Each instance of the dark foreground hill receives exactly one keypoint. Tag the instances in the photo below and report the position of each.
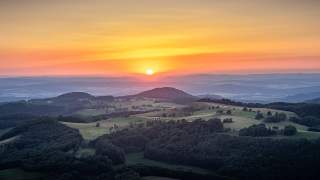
(207, 144)
(53, 150)
(37, 143)
(50, 148)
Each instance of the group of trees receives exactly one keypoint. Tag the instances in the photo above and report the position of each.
(241, 157)
(276, 117)
(227, 120)
(205, 144)
(310, 121)
(261, 130)
(8, 121)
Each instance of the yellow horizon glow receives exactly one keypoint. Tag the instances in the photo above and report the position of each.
(149, 72)
(176, 37)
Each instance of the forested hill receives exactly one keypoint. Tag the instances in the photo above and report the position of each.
(167, 94)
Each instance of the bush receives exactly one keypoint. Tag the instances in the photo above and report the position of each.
(259, 116)
(227, 120)
(290, 130)
(220, 112)
(269, 113)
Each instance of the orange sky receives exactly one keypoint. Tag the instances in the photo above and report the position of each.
(123, 37)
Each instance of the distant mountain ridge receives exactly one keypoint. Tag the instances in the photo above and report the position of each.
(210, 96)
(302, 97)
(75, 95)
(315, 101)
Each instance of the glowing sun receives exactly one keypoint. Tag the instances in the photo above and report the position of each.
(149, 72)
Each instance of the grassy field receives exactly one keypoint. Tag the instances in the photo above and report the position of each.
(137, 158)
(89, 131)
(19, 174)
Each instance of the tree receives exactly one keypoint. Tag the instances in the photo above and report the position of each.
(229, 112)
(277, 117)
(259, 116)
(220, 112)
(227, 120)
(289, 130)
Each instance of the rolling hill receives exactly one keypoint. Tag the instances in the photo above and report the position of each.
(168, 94)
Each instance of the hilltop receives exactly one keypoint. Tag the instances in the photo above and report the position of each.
(168, 94)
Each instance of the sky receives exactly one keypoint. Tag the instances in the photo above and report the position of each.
(130, 37)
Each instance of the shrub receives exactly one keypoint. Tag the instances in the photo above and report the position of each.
(227, 120)
(269, 113)
(290, 130)
(259, 116)
(220, 112)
